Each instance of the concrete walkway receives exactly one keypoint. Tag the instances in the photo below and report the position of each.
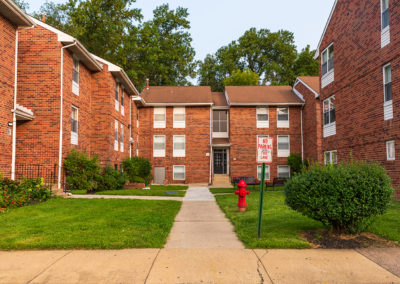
(193, 266)
(93, 196)
(201, 224)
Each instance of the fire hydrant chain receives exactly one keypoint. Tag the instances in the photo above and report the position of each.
(242, 192)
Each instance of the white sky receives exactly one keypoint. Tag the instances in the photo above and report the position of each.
(217, 22)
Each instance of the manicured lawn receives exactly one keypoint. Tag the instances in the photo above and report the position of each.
(169, 187)
(88, 224)
(282, 227)
(251, 188)
(222, 190)
(143, 192)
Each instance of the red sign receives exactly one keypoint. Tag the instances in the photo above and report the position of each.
(264, 149)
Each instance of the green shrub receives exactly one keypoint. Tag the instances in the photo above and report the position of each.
(295, 162)
(137, 169)
(111, 179)
(82, 171)
(346, 196)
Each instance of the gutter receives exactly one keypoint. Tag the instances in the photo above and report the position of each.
(14, 134)
(61, 112)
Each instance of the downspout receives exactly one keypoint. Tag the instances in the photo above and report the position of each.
(61, 113)
(301, 122)
(14, 123)
(130, 128)
(211, 150)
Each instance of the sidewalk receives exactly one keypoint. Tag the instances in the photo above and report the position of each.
(201, 224)
(192, 266)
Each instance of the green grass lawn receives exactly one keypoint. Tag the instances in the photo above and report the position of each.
(88, 224)
(251, 188)
(155, 190)
(282, 227)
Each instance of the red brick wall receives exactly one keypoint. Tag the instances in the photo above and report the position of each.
(7, 50)
(355, 29)
(243, 138)
(197, 134)
(312, 131)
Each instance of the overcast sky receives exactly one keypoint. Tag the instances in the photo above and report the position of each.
(217, 22)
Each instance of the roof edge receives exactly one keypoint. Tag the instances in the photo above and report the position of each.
(298, 80)
(267, 104)
(18, 13)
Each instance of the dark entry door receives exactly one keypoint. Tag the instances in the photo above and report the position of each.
(220, 161)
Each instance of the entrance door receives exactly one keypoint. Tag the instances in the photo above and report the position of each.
(220, 161)
(159, 175)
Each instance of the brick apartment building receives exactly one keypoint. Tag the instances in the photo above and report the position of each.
(360, 83)
(12, 20)
(192, 135)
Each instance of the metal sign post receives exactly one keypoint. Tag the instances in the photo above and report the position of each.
(264, 155)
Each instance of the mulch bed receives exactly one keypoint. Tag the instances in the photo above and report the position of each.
(329, 240)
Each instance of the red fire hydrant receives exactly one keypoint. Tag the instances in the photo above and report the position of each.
(242, 192)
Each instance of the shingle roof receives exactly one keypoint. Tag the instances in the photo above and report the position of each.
(262, 95)
(219, 99)
(174, 95)
(312, 82)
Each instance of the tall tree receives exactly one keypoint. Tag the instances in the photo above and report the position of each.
(24, 6)
(305, 64)
(242, 78)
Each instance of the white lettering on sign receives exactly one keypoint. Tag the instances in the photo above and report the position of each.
(264, 149)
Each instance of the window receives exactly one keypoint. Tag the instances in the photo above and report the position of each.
(327, 60)
(220, 123)
(283, 145)
(137, 118)
(116, 96)
(122, 138)
(329, 111)
(179, 172)
(259, 168)
(116, 136)
(137, 145)
(159, 117)
(122, 102)
(283, 117)
(283, 172)
(385, 14)
(179, 146)
(390, 151)
(262, 117)
(179, 117)
(159, 146)
(330, 157)
(75, 76)
(387, 77)
(74, 126)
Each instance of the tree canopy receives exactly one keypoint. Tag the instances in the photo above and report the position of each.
(242, 78)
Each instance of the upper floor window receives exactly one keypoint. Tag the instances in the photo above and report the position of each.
(283, 117)
(116, 136)
(117, 96)
(262, 117)
(387, 78)
(75, 76)
(329, 111)
(159, 117)
(179, 146)
(179, 117)
(74, 126)
(122, 102)
(220, 123)
(330, 157)
(122, 138)
(385, 14)
(327, 60)
(390, 151)
(159, 146)
(283, 145)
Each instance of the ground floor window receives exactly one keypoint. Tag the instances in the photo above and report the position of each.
(259, 168)
(179, 173)
(390, 151)
(330, 157)
(283, 171)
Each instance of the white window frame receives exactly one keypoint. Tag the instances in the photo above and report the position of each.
(221, 134)
(330, 160)
(386, 81)
(122, 138)
(116, 98)
(267, 172)
(282, 123)
(160, 111)
(382, 11)
(75, 135)
(262, 111)
(179, 123)
(174, 171)
(283, 166)
(329, 70)
(329, 100)
(116, 135)
(388, 157)
(122, 101)
(179, 152)
(75, 85)
(283, 153)
(159, 153)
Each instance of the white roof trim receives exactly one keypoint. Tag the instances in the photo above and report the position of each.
(178, 104)
(62, 37)
(267, 104)
(298, 80)
(326, 27)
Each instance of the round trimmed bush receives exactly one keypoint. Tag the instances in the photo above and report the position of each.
(346, 196)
